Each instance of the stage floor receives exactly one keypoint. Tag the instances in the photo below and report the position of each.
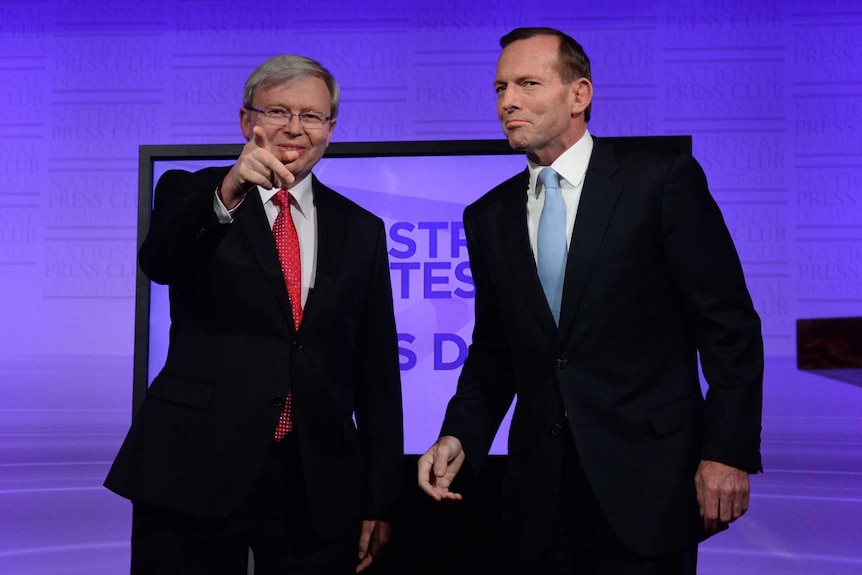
(805, 515)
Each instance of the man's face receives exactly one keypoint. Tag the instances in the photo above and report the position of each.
(307, 94)
(539, 114)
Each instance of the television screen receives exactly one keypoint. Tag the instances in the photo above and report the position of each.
(420, 190)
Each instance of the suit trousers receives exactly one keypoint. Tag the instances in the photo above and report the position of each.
(274, 522)
(582, 541)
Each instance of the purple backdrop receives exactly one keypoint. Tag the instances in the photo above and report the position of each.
(770, 92)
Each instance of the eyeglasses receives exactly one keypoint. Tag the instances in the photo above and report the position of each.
(282, 117)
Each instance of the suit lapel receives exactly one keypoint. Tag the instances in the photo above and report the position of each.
(332, 227)
(512, 228)
(251, 218)
(598, 200)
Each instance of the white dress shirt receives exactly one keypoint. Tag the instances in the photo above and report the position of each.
(572, 168)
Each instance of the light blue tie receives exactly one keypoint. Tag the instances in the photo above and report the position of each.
(551, 248)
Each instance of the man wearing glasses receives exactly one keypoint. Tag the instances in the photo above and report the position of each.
(276, 421)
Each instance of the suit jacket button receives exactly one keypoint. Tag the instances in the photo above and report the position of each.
(556, 429)
(562, 363)
(297, 346)
(276, 401)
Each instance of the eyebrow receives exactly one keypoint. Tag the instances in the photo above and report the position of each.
(289, 109)
(520, 79)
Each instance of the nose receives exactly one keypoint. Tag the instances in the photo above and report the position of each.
(293, 126)
(508, 99)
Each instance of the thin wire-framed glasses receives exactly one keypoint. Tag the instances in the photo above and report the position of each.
(281, 117)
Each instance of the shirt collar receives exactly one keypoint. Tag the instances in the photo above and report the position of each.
(302, 193)
(571, 165)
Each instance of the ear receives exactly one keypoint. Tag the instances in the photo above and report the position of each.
(245, 124)
(582, 91)
(331, 129)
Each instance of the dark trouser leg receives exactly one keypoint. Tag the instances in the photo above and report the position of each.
(284, 539)
(583, 543)
(168, 543)
(274, 521)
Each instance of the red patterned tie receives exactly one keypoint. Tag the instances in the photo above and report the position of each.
(287, 243)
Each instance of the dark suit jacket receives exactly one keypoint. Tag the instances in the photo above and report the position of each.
(652, 279)
(206, 424)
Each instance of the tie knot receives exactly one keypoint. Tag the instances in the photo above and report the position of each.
(550, 178)
(281, 199)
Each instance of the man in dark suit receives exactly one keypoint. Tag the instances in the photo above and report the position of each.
(276, 422)
(616, 462)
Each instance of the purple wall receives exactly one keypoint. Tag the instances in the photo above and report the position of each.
(769, 90)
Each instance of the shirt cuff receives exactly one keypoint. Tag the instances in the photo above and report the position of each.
(224, 215)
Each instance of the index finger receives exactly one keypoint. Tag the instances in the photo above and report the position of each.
(441, 460)
(260, 138)
(424, 472)
(279, 175)
(364, 538)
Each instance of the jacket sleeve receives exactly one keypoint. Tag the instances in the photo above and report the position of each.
(378, 404)
(486, 386)
(708, 277)
(183, 224)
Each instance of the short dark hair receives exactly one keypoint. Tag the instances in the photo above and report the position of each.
(572, 60)
(285, 69)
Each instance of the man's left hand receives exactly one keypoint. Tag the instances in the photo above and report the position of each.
(722, 494)
(372, 540)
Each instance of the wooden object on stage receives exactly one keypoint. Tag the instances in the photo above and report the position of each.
(831, 347)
